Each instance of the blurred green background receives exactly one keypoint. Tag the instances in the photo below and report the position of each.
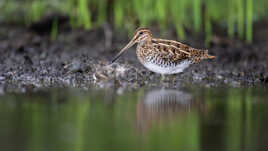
(236, 17)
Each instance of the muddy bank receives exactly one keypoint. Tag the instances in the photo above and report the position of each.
(30, 60)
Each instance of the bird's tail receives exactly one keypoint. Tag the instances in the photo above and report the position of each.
(207, 56)
(211, 57)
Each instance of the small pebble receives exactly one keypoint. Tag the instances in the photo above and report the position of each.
(2, 78)
(219, 77)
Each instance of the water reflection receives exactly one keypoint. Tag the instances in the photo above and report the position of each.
(159, 119)
(163, 106)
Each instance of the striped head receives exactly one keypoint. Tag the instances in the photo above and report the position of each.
(141, 35)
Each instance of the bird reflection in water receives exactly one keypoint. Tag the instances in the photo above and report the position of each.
(164, 106)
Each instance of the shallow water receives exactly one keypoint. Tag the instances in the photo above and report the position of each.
(189, 119)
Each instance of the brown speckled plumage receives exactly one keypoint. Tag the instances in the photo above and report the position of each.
(164, 54)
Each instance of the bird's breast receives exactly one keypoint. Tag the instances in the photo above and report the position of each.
(143, 52)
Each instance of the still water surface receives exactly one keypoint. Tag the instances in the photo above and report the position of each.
(193, 119)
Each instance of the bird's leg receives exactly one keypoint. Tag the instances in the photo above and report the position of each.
(163, 78)
(168, 78)
(173, 78)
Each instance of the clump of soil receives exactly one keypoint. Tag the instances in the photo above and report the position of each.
(30, 60)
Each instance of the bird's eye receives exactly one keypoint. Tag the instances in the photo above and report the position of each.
(141, 33)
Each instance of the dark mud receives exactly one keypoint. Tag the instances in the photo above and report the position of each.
(30, 60)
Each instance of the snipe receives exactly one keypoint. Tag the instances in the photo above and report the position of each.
(163, 56)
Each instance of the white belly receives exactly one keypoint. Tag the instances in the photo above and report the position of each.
(167, 70)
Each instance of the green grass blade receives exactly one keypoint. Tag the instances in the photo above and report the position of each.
(231, 18)
(249, 29)
(197, 14)
(54, 30)
(240, 19)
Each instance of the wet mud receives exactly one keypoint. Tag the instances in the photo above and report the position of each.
(30, 60)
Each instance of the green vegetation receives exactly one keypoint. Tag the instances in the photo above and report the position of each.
(54, 30)
(196, 15)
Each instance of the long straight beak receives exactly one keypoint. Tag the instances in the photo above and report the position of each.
(130, 44)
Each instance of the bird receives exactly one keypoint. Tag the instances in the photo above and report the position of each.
(163, 56)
